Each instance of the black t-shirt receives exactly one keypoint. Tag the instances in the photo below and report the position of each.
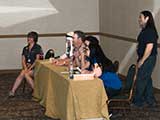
(30, 56)
(146, 36)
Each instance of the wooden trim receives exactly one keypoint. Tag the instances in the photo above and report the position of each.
(118, 37)
(43, 35)
(10, 71)
(121, 38)
(63, 34)
(93, 33)
(40, 35)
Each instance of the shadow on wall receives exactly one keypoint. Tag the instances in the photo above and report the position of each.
(156, 75)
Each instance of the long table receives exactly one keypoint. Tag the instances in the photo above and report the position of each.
(68, 99)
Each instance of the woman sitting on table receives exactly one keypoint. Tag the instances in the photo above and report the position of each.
(30, 53)
(100, 66)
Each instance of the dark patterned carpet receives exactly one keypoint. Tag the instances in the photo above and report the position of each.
(134, 113)
(22, 107)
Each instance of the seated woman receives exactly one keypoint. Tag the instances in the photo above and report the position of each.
(30, 53)
(101, 67)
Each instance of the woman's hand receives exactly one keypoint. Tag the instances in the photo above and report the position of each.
(140, 63)
(61, 62)
(86, 72)
(97, 70)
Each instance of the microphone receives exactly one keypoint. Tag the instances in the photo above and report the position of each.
(68, 48)
(69, 44)
(69, 52)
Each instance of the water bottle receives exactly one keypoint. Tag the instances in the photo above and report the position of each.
(71, 68)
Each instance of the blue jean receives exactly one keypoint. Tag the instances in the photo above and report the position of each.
(144, 87)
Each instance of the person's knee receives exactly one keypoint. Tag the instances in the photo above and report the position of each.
(22, 73)
(26, 74)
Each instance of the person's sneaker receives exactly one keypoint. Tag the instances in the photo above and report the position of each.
(11, 94)
(152, 105)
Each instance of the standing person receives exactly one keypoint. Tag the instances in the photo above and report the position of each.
(147, 52)
(30, 53)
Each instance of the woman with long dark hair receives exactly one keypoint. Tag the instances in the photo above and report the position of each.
(102, 67)
(147, 52)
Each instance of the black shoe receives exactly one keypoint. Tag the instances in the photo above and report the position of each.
(152, 105)
(134, 106)
(11, 94)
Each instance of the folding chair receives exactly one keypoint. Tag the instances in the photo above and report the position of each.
(116, 65)
(50, 53)
(126, 94)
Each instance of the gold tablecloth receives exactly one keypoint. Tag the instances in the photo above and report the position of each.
(68, 99)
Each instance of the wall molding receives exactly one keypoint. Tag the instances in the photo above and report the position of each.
(10, 71)
(63, 34)
(118, 37)
(43, 35)
(121, 38)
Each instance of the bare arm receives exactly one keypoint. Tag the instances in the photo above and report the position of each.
(84, 63)
(32, 66)
(97, 71)
(24, 65)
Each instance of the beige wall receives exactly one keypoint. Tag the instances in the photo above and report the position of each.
(121, 18)
(113, 16)
(72, 15)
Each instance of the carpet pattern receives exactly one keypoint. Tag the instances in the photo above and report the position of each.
(22, 107)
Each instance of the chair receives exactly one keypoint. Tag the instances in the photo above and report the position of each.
(49, 54)
(127, 91)
(116, 65)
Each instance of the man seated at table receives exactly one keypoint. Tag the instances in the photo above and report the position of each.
(77, 37)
